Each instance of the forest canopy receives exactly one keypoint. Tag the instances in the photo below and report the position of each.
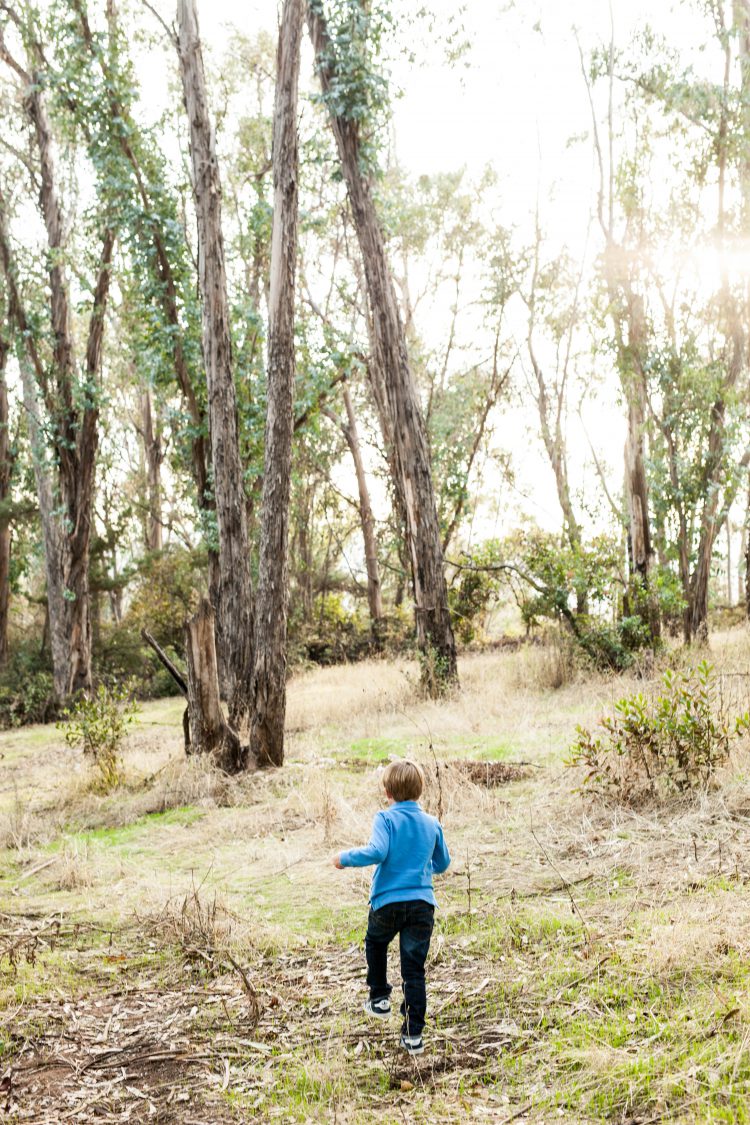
(256, 360)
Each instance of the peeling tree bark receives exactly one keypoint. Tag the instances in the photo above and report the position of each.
(367, 520)
(209, 731)
(32, 375)
(6, 466)
(234, 609)
(154, 456)
(268, 689)
(395, 392)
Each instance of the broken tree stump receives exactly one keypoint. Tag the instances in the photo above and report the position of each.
(210, 733)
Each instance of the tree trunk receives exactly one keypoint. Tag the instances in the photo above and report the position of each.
(33, 374)
(374, 593)
(164, 279)
(629, 314)
(154, 454)
(73, 424)
(304, 554)
(234, 609)
(6, 466)
(55, 615)
(743, 575)
(733, 320)
(394, 391)
(268, 690)
(209, 731)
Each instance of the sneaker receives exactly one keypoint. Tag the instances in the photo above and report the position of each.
(379, 1008)
(413, 1044)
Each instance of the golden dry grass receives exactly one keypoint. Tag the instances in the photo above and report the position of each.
(579, 930)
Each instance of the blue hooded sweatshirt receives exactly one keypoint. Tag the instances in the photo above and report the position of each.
(408, 847)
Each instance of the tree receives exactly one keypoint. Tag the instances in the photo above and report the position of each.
(626, 312)
(234, 609)
(348, 426)
(71, 402)
(268, 689)
(151, 438)
(6, 467)
(689, 350)
(393, 385)
(164, 322)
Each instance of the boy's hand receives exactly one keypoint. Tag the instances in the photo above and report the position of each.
(337, 862)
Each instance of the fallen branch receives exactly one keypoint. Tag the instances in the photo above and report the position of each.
(173, 671)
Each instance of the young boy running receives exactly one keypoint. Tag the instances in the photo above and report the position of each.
(407, 846)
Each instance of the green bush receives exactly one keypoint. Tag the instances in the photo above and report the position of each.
(651, 747)
(121, 654)
(550, 580)
(471, 595)
(26, 687)
(338, 635)
(98, 725)
(165, 593)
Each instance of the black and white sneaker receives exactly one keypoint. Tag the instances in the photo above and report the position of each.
(413, 1044)
(381, 1009)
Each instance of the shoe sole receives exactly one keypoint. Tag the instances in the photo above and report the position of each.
(410, 1051)
(375, 1015)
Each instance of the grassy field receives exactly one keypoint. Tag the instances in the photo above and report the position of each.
(183, 950)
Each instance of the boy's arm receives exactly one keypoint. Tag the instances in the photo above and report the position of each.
(374, 852)
(441, 856)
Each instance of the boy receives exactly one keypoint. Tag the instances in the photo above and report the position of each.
(408, 847)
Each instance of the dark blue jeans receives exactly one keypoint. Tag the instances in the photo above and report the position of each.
(413, 922)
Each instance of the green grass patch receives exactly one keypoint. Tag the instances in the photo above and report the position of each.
(135, 832)
(485, 749)
(379, 749)
(302, 913)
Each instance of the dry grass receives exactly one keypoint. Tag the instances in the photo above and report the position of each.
(572, 933)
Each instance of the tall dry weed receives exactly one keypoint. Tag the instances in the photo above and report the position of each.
(17, 825)
(547, 666)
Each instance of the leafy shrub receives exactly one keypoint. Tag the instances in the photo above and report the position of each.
(612, 645)
(165, 593)
(550, 580)
(471, 596)
(433, 673)
(653, 747)
(337, 635)
(121, 654)
(98, 726)
(26, 687)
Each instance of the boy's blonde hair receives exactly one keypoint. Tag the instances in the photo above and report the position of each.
(403, 780)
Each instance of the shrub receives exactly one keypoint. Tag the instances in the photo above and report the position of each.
(26, 687)
(98, 726)
(336, 634)
(165, 593)
(121, 654)
(550, 580)
(668, 743)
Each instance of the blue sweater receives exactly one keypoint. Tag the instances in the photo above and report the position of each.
(408, 847)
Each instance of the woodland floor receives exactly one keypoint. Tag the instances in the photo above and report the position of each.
(183, 950)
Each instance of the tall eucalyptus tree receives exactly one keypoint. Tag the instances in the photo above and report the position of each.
(268, 688)
(234, 609)
(394, 388)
